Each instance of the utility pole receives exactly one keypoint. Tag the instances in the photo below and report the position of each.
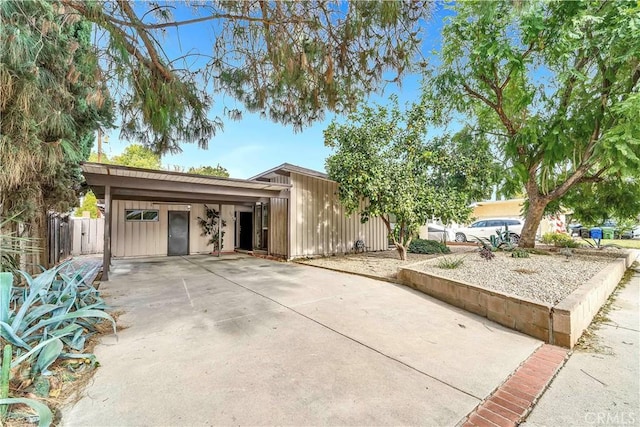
(99, 145)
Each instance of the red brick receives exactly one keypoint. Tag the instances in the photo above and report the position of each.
(521, 393)
(468, 424)
(536, 360)
(521, 385)
(508, 405)
(530, 379)
(504, 412)
(480, 422)
(551, 357)
(537, 371)
(495, 418)
(513, 399)
(554, 348)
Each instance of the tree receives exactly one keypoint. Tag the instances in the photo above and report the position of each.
(555, 84)
(289, 61)
(137, 156)
(89, 204)
(385, 168)
(210, 170)
(52, 97)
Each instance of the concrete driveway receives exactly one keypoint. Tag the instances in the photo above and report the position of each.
(245, 341)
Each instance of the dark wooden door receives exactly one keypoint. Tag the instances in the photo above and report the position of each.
(246, 230)
(178, 233)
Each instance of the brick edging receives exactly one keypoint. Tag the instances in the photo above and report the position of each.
(512, 401)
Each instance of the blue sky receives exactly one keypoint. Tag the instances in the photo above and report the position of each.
(252, 145)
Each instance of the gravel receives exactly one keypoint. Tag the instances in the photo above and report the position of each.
(544, 278)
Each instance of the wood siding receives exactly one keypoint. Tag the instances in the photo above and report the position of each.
(133, 238)
(318, 224)
(278, 221)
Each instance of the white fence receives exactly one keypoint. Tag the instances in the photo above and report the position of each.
(87, 235)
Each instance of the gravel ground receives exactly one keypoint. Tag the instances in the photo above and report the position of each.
(544, 278)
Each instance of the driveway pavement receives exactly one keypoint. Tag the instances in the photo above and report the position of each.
(246, 341)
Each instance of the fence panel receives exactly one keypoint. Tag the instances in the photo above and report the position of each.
(87, 235)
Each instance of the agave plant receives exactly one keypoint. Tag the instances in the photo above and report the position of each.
(53, 311)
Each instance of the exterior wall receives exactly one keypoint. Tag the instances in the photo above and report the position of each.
(278, 220)
(318, 224)
(129, 239)
(501, 209)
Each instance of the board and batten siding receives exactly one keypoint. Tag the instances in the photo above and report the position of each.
(318, 223)
(278, 222)
(150, 238)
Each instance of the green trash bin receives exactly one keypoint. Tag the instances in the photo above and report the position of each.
(607, 232)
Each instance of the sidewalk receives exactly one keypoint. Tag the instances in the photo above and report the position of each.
(601, 387)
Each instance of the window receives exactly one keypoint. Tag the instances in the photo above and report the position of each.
(478, 224)
(513, 222)
(141, 215)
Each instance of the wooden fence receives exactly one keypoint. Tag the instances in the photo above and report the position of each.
(87, 235)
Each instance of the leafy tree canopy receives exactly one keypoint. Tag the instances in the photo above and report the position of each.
(210, 170)
(289, 61)
(89, 204)
(137, 156)
(553, 84)
(385, 168)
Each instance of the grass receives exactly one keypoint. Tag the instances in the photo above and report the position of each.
(625, 243)
(450, 263)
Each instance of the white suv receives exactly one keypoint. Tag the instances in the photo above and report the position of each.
(488, 227)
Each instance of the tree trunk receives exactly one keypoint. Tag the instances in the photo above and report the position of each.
(402, 251)
(532, 221)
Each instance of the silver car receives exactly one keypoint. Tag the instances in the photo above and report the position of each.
(487, 227)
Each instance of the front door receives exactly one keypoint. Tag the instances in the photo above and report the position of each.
(178, 233)
(246, 230)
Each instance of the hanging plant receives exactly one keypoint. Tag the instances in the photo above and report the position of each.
(209, 226)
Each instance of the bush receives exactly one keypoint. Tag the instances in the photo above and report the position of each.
(559, 240)
(519, 253)
(450, 263)
(422, 246)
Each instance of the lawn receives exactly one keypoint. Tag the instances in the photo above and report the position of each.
(626, 243)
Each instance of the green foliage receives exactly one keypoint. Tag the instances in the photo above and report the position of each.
(45, 416)
(137, 156)
(519, 253)
(12, 246)
(209, 225)
(210, 171)
(287, 61)
(53, 311)
(90, 204)
(5, 376)
(559, 240)
(422, 246)
(52, 100)
(450, 263)
(385, 168)
(554, 85)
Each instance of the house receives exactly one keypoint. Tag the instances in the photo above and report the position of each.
(287, 212)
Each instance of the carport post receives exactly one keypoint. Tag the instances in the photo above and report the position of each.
(219, 229)
(106, 253)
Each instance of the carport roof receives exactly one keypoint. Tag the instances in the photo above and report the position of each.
(127, 183)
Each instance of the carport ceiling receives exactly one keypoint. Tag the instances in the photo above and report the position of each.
(128, 183)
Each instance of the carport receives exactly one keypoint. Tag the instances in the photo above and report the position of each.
(110, 183)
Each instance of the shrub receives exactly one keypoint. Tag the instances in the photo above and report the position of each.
(519, 253)
(450, 263)
(486, 253)
(559, 240)
(422, 246)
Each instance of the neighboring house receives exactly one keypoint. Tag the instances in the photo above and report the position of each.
(287, 212)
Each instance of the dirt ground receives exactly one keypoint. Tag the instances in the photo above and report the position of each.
(382, 264)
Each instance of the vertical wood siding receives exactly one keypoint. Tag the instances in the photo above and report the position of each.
(278, 220)
(150, 238)
(319, 225)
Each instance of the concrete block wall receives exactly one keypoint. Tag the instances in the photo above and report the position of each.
(560, 325)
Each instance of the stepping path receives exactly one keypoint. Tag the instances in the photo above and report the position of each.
(509, 404)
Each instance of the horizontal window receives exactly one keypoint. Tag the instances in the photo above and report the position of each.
(141, 215)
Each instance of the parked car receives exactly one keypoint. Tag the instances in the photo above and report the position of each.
(634, 233)
(574, 229)
(488, 227)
